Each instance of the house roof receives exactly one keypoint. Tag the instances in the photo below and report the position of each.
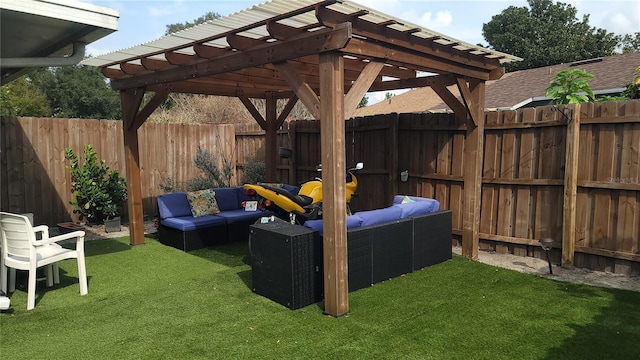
(37, 33)
(517, 89)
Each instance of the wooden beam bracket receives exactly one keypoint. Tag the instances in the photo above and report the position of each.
(304, 92)
(253, 111)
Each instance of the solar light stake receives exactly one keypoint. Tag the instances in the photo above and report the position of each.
(546, 245)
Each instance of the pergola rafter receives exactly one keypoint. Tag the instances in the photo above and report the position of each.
(327, 54)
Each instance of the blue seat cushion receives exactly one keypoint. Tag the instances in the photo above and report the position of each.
(378, 216)
(398, 199)
(290, 188)
(353, 221)
(418, 207)
(188, 223)
(234, 216)
(227, 198)
(173, 205)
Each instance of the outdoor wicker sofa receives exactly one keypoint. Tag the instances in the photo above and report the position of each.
(287, 259)
(180, 229)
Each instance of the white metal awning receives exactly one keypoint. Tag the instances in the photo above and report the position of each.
(34, 30)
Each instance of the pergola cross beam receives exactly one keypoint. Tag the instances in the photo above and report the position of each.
(311, 43)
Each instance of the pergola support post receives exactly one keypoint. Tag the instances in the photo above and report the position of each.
(130, 102)
(336, 290)
(473, 156)
(132, 119)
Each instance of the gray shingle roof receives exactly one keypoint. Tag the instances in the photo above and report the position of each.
(516, 89)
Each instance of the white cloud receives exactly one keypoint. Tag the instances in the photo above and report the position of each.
(441, 20)
(622, 23)
(154, 11)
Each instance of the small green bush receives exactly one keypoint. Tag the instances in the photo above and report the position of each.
(254, 172)
(99, 192)
(212, 175)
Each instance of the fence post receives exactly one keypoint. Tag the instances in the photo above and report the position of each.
(393, 157)
(570, 188)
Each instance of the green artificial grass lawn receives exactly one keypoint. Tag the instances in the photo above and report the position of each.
(153, 301)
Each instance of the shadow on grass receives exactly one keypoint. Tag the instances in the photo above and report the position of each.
(245, 276)
(610, 335)
(233, 254)
(105, 246)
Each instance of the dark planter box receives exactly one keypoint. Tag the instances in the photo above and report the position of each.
(112, 225)
(68, 227)
(286, 263)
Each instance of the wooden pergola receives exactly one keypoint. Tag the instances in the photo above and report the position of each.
(327, 54)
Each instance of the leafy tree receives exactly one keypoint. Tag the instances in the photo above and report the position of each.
(546, 34)
(388, 95)
(172, 28)
(78, 92)
(21, 98)
(630, 43)
(570, 87)
(363, 102)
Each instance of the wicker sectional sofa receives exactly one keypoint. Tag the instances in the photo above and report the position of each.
(381, 244)
(386, 243)
(178, 228)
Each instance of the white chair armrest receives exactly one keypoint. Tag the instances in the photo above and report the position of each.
(44, 229)
(78, 235)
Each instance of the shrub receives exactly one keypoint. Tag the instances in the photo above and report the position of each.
(570, 87)
(254, 172)
(212, 175)
(99, 192)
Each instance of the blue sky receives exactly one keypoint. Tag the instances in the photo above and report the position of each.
(145, 20)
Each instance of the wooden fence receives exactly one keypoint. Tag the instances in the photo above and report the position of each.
(524, 191)
(34, 177)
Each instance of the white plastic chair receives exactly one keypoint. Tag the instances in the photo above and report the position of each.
(21, 250)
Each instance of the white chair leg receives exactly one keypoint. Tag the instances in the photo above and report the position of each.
(31, 290)
(12, 280)
(3, 279)
(49, 271)
(82, 274)
(56, 274)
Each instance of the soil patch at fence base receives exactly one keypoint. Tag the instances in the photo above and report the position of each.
(540, 267)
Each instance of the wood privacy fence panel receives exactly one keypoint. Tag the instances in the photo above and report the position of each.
(372, 141)
(608, 196)
(250, 143)
(430, 149)
(250, 148)
(523, 177)
(306, 153)
(34, 177)
(167, 153)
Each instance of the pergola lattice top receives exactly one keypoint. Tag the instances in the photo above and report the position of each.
(234, 55)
